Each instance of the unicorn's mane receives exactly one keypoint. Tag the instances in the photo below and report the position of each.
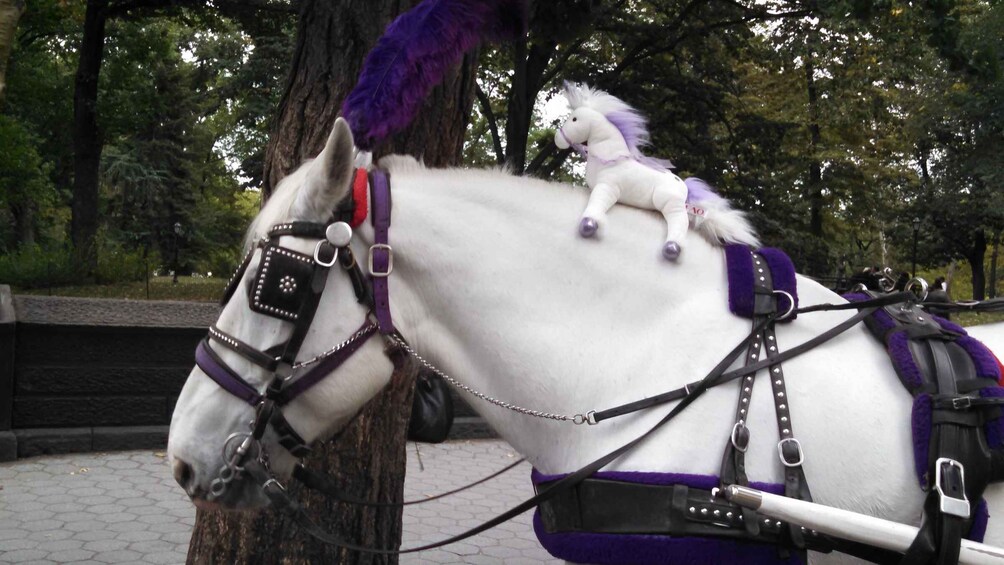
(628, 121)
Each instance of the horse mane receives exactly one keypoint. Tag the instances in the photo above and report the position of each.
(632, 126)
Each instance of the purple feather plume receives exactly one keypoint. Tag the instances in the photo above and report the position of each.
(414, 54)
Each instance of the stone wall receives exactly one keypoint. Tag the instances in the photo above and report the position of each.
(82, 374)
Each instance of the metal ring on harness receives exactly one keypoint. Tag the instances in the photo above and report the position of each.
(922, 296)
(791, 304)
(735, 443)
(230, 459)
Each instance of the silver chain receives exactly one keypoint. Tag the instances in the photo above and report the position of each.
(334, 349)
(577, 419)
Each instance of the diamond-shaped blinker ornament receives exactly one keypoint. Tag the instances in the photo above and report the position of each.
(338, 234)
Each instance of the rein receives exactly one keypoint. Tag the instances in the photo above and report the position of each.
(288, 286)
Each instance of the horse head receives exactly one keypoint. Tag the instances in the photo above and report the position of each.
(578, 126)
(211, 419)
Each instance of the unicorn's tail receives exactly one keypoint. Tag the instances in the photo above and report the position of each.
(714, 218)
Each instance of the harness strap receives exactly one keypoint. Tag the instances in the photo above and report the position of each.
(216, 369)
(326, 485)
(260, 358)
(866, 308)
(326, 366)
(381, 261)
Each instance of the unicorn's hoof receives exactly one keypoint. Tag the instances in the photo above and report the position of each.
(671, 251)
(588, 227)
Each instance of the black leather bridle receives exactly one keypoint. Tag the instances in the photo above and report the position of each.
(288, 285)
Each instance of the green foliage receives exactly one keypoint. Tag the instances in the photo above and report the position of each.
(41, 267)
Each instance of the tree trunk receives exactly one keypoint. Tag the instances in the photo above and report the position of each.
(24, 219)
(369, 457)
(992, 287)
(87, 142)
(10, 14)
(333, 38)
(975, 258)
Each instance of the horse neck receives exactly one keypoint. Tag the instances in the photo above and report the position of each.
(606, 141)
(493, 285)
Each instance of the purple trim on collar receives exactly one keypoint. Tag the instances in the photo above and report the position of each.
(227, 379)
(380, 215)
(981, 517)
(739, 265)
(920, 425)
(615, 549)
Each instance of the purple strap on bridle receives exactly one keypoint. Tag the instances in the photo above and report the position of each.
(211, 365)
(326, 366)
(381, 205)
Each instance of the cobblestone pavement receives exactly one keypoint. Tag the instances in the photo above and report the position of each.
(125, 508)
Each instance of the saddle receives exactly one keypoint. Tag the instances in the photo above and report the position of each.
(616, 517)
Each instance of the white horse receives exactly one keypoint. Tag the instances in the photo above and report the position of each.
(489, 287)
(992, 335)
(611, 133)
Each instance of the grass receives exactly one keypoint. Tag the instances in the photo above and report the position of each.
(197, 289)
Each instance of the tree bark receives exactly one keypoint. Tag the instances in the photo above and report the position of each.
(10, 15)
(87, 142)
(369, 457)
(333, 38)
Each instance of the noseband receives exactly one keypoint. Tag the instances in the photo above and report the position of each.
(288, 285)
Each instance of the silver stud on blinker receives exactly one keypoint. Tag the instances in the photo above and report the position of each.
(338, 234)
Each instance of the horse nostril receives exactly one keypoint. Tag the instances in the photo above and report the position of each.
(183, 473)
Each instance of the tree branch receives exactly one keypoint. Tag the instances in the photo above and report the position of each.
(560, 62)
(556, 162)
(486, 109)
(546, 151)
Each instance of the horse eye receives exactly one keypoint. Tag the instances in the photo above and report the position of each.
(575, 119)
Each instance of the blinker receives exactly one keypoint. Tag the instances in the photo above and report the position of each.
(281, 283)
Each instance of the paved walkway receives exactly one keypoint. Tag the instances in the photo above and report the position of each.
(125, 508)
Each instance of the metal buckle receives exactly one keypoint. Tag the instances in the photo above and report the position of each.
(390, 259)
(317, 254)
(780, 452)
(962, 402)
(950, 504)
(734, 436)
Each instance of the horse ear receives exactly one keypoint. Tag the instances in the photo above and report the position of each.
(327, 182)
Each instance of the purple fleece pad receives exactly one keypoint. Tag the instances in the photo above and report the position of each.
(739, 264)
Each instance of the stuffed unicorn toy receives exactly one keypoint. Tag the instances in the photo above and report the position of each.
(609, 134)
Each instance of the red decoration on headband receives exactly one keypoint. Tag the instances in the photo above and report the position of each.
(359, 196)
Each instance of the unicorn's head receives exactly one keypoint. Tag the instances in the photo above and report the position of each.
(212, 415)
(596, 113)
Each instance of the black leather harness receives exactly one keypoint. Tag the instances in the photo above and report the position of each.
(960, 463)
